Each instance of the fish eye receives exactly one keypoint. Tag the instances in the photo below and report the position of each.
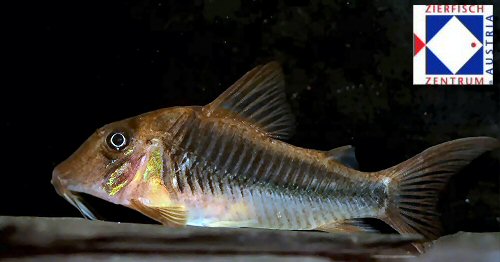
(117, 140)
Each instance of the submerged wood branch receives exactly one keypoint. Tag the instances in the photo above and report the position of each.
(57, 238)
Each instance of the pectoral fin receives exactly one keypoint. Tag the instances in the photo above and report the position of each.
(174, 216)
(347, 226)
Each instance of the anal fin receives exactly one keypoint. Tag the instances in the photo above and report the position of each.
(173, 216)
(347, 226)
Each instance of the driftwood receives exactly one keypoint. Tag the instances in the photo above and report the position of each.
(54, 239)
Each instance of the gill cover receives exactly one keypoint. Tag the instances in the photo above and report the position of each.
(148, 191)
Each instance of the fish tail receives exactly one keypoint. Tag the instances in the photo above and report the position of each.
(414, 185)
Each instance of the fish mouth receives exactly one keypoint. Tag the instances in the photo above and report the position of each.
(107, 210)
(75, 199)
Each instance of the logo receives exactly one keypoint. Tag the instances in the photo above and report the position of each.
(453, 45)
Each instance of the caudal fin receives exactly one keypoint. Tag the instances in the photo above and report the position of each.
(415, 184)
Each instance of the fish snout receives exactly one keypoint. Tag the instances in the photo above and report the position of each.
(56, 181)
(62, 179)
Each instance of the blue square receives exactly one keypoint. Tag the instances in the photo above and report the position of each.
(474, 23)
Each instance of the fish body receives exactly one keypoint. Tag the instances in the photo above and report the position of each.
(225, 165)
(226, 175)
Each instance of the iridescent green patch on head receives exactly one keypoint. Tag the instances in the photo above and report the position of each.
(154, 167)
(129, 151)
(117, 180)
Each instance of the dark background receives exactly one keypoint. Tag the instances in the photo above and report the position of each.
(75, 66)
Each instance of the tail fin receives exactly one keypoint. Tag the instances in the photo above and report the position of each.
(415, 184)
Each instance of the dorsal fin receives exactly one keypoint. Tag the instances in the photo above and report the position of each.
(259, 99)
(344, 155)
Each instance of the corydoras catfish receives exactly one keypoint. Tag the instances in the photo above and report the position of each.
(225, 165)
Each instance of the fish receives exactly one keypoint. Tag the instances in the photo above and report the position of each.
(226, 164)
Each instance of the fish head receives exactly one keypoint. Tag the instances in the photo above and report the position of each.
(118, 162)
